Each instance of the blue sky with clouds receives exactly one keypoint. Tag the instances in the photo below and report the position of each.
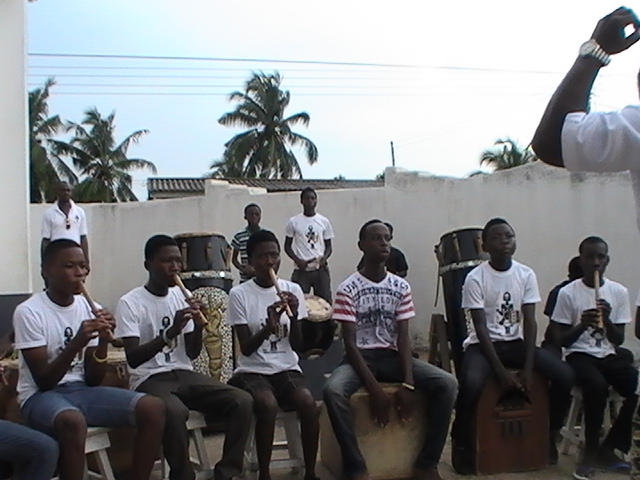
(507, 58)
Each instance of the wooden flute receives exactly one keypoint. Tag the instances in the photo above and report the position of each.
(201, 320)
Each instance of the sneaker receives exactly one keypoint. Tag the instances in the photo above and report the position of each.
(610, 462)
(584, 472)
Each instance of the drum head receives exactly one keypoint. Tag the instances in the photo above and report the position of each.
(318, 309)
(198, 235)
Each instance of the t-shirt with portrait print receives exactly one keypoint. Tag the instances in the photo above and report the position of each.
(375, 308)
(39, 322)
(142, 314)
(575, 298)
(501, 295)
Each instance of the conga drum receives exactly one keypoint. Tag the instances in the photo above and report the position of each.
(206, 260)
(458, 252)
(317, 329)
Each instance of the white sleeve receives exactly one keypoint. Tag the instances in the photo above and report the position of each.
(127, 321)
(84, 230)
(602, 142)
(28, 329)
(563, 311)
(289, 229)
(236, 311)
(45, 228)
(328, 230)
(472, 294)
(531, 292)
(621, 311)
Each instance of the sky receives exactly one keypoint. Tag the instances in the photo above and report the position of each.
(442, 80)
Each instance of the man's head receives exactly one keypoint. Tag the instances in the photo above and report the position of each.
(308, 199)
(263, 252)
(575, 268)
(252, 214)
(64, 266)
(162, 259)
(64, 192)
(498, 238)
(594, 255)
(373, 241)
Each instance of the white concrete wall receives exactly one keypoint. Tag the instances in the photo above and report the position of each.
(14, 215)
(550, 209)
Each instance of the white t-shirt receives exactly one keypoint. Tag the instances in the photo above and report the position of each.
(604, 142)
(142, 314)
(575, 298)
(39, 322)
(54, 223)
(309, 234)
(375, 308)
(501, 296)
(248, 304)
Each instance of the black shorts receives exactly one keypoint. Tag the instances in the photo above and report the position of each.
(283, 385)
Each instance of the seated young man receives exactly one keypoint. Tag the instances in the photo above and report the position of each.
(156, 325)
(590, 331)
(63, 354)
(500, 296)
(268, 364)
(374, 308)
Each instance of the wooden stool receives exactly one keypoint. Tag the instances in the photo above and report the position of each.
(512, 433)
(293, 445)
(573, 432)
(201, 464)
(96, 445)
(390, 452)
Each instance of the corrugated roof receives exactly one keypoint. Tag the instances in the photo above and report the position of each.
(158, 187)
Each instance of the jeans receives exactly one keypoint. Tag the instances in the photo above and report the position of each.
(319, 279)
(26, 454)
(476, 369)
(184, 390)
(594, 375)
(439, 386)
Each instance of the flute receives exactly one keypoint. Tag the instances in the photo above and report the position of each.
(94, 308)
(596, 287)
(274, 279)
(202, 320)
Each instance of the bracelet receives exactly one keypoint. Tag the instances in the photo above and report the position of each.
(167, 341)
(408, 386)
(99, 360)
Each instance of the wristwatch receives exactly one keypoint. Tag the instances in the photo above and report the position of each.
(591, 48)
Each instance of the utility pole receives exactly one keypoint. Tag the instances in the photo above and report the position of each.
(393, 156)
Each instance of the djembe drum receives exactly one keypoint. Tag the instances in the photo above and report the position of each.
(206, 260)
(216, 358)
(317, 329)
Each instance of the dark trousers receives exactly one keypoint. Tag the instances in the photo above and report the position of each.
(439, 386)
(476, 370)
(184, 390)
(319, 279)
(594, 375)
(26, 454)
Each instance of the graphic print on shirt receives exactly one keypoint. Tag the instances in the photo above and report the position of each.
(508, 315)
(167, 350)
(598, 336)
(312, 237)
(270, 345)
(68, 336)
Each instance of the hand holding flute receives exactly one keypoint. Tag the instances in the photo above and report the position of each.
(200, 318)
(94, 309)
(596, 287)
(274, 279)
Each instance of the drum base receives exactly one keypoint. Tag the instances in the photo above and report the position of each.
(315, 369)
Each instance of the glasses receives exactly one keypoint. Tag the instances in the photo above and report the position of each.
(68, 223)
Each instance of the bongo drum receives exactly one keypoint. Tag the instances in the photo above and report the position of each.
(318, 328)
(458, 252)
(117, 369)
(206, 260)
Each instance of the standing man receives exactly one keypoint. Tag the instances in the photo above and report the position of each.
(67, 220)
(253, 215)
(308, 244)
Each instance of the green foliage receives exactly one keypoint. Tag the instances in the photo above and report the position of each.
(506, 154)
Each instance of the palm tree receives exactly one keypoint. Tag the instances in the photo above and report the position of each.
(102, 162)
(264, 150)
(46, 170)
(506, 154)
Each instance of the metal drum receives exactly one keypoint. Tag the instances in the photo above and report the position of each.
(318, 328)
(458, 253)
(206, 260)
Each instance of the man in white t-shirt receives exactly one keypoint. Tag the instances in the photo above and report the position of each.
(374, 308)
(161, 336)
(268, 364)
(569, 135)
(65, 219)
(590, 331)
(63, 354)
(499, 297)
(308, 242)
